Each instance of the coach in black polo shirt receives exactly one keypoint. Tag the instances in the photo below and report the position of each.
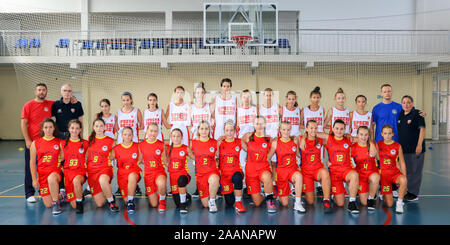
(411, 132)
(64, 111)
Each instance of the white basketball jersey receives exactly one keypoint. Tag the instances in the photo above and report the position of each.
(294, 118)
(109, 125)
(359, 120)
(318, 116)
(224, 110)
(245, 120)
(127, 120)
(153, 117)
(272, 119)
(344, 115)
(179, 118)
(198, 115)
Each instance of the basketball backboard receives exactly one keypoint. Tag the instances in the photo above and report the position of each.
(223, 21)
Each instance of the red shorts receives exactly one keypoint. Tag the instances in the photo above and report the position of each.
(122, 179)
(150, 181)
(364, 180)
(93, 179)
(284, 176)
(174, 180)
(337, 180)
(69, 175)
(387, 178)
(253, 179)
(202, 183)
(43, 180)
(226, 181)
(309, 176)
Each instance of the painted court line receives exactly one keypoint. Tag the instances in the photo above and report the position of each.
(433, 173)
(12, 188)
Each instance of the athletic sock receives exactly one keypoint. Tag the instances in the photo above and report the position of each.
(182, 198)
(162, 197)
(352, 199)
(400, 201)
(298, 199)
(326, 199)
(110, 199)
(130, 198)
(212, 199)
(79, 199)
(238, 198)
(371, 198)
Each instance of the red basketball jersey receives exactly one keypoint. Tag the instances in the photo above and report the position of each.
(205, 155)
(152, 154)
(75, 154)
(98, 153)
(127, 156)
(362, 157)
(257, 151)
(229, 153)
(339, 152)
(47, 151)
(178, 159)
(311, 156)
(388, 154)
(286, 154)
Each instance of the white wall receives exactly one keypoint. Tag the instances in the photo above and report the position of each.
(433, 14)
(332, 14)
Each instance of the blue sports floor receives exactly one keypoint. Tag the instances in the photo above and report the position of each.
(431, 209)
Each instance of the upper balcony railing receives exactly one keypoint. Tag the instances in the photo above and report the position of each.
(190, 42)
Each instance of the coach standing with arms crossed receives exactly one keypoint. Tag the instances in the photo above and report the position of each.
(411, 132)
(33, 113)
(64, 110)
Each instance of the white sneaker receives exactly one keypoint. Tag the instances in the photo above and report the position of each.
(31, 199)
(399, 207)
(381, 197)
(299, 207)
(395, 194)
(212, 206)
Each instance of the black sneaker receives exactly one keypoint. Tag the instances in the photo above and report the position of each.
(409, 197)
(113, 206)
(79, 208)
(138, 191)
(195, 194)
(371, 204)
(353, 208)
(183, 208)
(131, 207)
(56, 208)
(319, 191)
(86, 193)
(118, 192)
(326, 206)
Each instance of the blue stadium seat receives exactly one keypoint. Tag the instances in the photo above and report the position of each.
(87, 45)
(158, 44)
(22, 45)
(283, 43)
(35, 43)
(63, 43)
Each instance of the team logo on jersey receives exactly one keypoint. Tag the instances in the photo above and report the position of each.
(345, 146)
(134, 156)
(394, 111)
(132, 116)
(158, 152)
(237, 148)
(105, 148)
(393, 151)
(318, 146)
(294, 149)
(409, 122)
(211, 149)
(264, 145)
(45, 109)
(56, 147)
(182, 153)
(72, 110)
(81, 150)
(59, 111)
(371, 155)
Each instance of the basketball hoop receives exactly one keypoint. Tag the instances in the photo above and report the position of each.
(241, 40)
